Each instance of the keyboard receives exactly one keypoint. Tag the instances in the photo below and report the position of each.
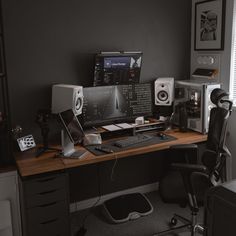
(132, 140)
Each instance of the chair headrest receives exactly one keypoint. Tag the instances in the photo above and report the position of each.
(217, 95)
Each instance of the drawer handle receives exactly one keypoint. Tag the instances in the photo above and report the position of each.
(45, 180)
(46, 192)
(48, 204)
(49, 221)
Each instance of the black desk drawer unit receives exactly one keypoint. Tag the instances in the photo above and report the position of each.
(45, 206)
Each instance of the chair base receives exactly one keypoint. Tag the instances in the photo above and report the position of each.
(188, 225)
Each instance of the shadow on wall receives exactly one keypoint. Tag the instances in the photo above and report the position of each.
(83, 65)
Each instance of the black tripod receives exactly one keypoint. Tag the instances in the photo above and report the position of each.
(42, 118)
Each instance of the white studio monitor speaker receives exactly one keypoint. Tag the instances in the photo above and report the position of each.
(65, 96)
(164, 91)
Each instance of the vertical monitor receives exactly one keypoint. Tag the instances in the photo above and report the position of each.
(117, 68)
(112, 104)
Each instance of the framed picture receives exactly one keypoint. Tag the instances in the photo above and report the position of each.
(209, 25)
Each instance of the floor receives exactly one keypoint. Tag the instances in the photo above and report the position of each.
(97, 224)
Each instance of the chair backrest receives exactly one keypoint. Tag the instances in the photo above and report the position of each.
(216, 152)
(217, 129)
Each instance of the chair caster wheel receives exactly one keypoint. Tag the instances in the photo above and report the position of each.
(173, 221)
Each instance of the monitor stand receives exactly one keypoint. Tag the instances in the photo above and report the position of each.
(68, 148)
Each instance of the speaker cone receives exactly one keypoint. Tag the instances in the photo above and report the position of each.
(78, 103)
(162, 96)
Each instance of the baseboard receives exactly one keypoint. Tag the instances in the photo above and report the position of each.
(77, 206)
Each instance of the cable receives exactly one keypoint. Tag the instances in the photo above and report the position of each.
(113, 168)
(82, 231)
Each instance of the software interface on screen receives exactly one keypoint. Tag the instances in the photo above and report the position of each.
(119, 68)
(110, 104)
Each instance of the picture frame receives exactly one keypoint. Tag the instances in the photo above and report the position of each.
(209, 25)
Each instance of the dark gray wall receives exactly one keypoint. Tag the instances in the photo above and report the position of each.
(54, 42)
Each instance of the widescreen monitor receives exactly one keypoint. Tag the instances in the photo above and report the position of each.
(114, 104)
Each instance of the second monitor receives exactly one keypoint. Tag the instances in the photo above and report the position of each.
(109, 104)
(117, 68)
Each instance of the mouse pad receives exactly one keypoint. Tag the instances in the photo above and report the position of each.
(110, 145)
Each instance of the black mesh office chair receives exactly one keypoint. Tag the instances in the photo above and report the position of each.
(196, 179)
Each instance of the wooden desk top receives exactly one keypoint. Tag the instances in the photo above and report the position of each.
(29, 165)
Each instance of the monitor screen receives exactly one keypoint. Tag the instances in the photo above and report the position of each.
(72, 126)
(112, 104)
(117, 68)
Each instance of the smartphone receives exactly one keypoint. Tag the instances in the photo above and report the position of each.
(72, 126)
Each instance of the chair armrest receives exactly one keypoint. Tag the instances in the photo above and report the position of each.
(184, 147)
(183, 167)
